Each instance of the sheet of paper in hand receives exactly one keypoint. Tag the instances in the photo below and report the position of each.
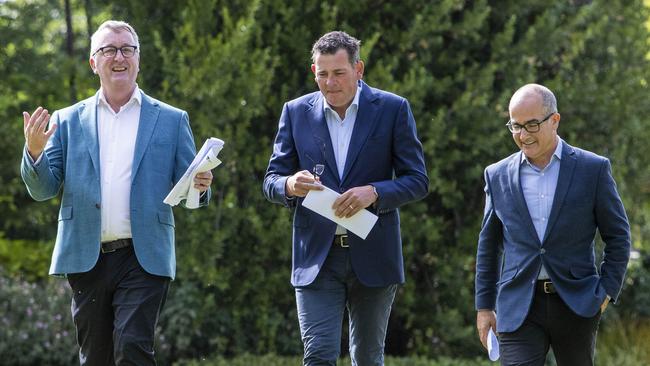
(321, 203)
(206, 159)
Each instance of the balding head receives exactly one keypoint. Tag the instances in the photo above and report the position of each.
(534, 95)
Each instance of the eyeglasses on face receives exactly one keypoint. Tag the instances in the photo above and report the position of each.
(111, 51)
(531, 126)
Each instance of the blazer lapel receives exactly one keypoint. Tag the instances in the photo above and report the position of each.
(567, 167)
(88, 122)
(148, 118)
(366, 115)
(517, 194)
(322, 134)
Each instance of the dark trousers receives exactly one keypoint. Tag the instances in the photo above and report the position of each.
(115, 308)
(321, 306)
(550, 322)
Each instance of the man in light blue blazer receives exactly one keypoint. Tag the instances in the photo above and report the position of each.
(535, 265)
(360, 142)
(115, 156)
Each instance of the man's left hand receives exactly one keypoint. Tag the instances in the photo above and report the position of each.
(202, 181)
(354, 200)
(603, 306)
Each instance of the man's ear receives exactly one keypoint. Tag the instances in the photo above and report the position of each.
(358, 68)
(91, 61)
(556, 120)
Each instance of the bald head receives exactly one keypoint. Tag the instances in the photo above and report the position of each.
(534, 95)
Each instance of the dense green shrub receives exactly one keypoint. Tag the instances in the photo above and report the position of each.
(231, 64)
(36, 326)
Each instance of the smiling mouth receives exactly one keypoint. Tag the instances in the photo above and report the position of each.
(527, 143)
(118, 69)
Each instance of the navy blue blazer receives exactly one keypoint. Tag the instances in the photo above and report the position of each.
(384, 151)
(510, 253)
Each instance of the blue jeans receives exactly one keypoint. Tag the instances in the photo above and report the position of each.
(321, 306)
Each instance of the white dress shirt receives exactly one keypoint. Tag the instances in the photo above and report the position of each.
(117, 134)
(341, 133)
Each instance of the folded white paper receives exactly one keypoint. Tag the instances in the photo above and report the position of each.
(206, 159)
(493, 346)
(321, 202)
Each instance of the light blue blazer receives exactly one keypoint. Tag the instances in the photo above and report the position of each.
(510, 253)
(164, 149)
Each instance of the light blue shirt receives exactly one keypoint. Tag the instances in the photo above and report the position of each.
(539, 186)
(341, 133)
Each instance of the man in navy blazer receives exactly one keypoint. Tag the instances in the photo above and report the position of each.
(117, 155)
(535, 265)
(361, 142)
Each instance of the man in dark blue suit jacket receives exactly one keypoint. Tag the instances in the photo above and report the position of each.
(363, 143)
(535, 264)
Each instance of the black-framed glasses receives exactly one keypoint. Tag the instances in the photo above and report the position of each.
(531, 126)
(111, 51)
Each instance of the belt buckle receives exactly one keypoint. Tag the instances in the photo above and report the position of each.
(106, 251)
(343, 241)
(548, 287)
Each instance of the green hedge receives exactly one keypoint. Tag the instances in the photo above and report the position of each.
(231, 64)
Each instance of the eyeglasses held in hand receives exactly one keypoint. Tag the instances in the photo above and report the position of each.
(318, 170)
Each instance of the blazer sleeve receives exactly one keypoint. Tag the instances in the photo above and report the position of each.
(185, 152)
(44, 177)
(411, 182)
(488, 254)
(614, 230)
(283, 162)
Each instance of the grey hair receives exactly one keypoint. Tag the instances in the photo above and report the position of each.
(331, 42)
(114, 25)
(549, 103)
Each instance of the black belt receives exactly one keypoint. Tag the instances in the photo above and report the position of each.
(341, 240)
(546, 287)
(111, 246)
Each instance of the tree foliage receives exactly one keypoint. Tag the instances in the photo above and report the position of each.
(232, 63)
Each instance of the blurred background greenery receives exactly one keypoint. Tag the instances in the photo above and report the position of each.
(232, 63)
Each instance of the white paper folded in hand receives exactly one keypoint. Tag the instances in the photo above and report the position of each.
(206, 159)
(321, 203)
(493, 346)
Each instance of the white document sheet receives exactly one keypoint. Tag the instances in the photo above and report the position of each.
(321, 202)
(493, 346)
(206, 159)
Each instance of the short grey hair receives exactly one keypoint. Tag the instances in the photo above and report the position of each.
(331, 42)
(116, 26)
(549, 103)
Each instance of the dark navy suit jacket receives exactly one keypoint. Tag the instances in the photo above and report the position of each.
(384, 151)
(510, 253)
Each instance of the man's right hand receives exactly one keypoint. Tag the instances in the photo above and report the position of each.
(300, 183)
(485, 319)
(35, 134)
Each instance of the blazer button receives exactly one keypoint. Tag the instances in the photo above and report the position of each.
(97, 205)
(542, 251)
